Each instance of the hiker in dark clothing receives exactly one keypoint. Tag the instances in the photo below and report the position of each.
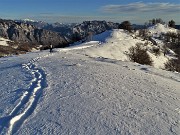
(51, 47)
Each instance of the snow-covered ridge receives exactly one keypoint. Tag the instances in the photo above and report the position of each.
(29, 20)
(115, 44)
(161, 28)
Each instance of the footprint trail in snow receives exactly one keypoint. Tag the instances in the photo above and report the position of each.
(28, 100)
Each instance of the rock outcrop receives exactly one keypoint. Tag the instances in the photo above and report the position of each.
(73, 32)
(93, 27)
(26, 33)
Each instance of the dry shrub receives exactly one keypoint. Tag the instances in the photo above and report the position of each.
(173, 65)
(45, 47)
(24, 48)
(139, 54)
(156, 51)
(7, 50)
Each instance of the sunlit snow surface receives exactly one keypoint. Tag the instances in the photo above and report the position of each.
(85, 90)
(160, 28)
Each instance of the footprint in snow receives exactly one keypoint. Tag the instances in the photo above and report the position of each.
(78, 65)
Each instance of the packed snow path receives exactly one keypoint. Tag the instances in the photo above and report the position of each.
(105, 97)
(28, 100)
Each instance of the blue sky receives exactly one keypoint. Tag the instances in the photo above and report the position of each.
(80, 10)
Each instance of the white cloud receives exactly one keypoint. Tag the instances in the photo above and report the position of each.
(142, 7)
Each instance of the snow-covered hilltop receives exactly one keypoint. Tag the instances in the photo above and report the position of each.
(28, 20)
(161, 28)
(90, 88)
(116, 44)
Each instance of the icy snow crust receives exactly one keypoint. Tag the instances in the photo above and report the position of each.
(78, 90)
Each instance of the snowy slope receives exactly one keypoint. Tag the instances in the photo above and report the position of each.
(115, 44)
(68, 92)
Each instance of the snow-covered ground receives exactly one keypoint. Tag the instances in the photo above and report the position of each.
(85, 89)
(4, 42)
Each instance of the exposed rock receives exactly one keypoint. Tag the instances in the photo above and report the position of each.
(26, 33)
(73, 32)
(93, 27)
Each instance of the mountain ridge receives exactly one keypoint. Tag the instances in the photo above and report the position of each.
(26, 33)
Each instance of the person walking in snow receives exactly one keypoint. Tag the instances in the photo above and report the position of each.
(51, 47)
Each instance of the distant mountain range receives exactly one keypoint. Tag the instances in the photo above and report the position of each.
(37, 24)
(37, 33)
(68, 29)
(27, 33)
(30, 33)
